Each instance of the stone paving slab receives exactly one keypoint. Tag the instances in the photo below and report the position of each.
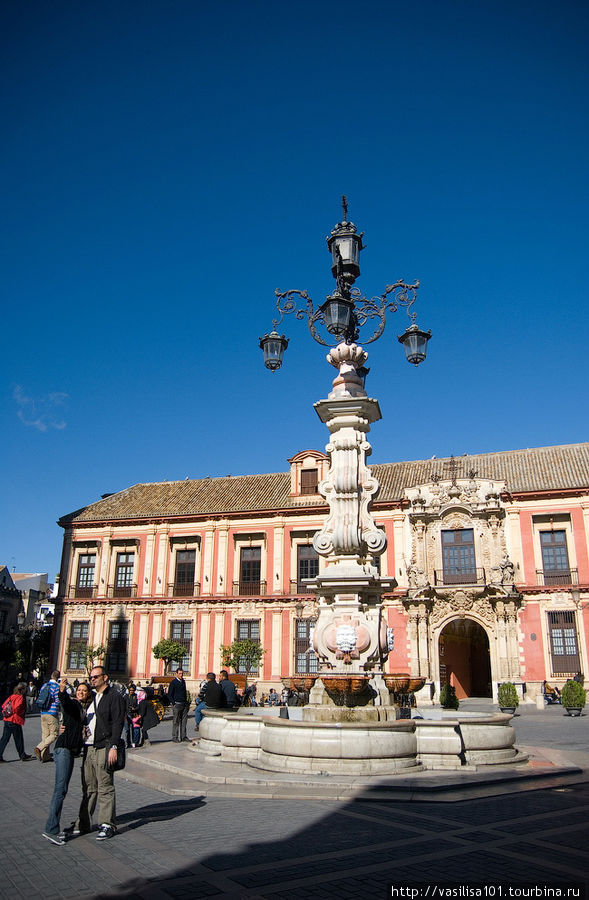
(231, 848)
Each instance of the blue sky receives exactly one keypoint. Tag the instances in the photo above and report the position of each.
(167, 165)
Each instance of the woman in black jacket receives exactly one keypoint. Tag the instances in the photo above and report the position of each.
(67, 747)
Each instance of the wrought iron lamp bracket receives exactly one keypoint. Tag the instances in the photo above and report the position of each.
(404, 295)
(286, 303)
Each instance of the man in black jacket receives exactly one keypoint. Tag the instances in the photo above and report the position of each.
(105, 720)
(177, 695)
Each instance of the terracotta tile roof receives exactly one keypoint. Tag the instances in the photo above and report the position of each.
(538, 469)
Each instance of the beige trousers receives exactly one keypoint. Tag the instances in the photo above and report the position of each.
(49, 733)
(97, 788)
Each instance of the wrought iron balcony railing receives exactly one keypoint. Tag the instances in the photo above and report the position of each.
(83, 593)
(458, 576)
(128, 590)
(299, 587)
(249, 588)
(550, 577)
(184, 590)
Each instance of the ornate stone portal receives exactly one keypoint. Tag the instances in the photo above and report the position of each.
(489, 597)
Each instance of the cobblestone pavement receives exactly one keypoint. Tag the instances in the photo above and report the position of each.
(231, 848)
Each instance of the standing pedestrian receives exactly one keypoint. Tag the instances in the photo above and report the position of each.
(67, 747)
(105, 718)
(31, 695)
(48, 703)
(178, 699)
(13, 710)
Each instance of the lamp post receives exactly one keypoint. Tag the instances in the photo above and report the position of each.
(350, 636)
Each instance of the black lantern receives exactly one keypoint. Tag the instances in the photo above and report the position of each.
(345, 245)
(338, 315)
(415, 343)
(273, 345)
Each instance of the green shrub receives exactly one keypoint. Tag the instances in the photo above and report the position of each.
(448, 698)
(573, 694)
(507, 695)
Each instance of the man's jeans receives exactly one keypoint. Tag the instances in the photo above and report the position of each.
(49, 733)
(64, 766)
(179, 719)
(198, 712)
(97, 787)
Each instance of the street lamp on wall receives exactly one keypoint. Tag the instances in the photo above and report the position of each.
(345, 312)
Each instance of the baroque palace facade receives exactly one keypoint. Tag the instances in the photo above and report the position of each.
(489, 554)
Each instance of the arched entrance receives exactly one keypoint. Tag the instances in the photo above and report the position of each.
(464, 658)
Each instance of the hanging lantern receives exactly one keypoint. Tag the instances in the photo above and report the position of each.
(415, 344)
(273, 345)
(338, 316)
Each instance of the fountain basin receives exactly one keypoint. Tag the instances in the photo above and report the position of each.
(444, 740)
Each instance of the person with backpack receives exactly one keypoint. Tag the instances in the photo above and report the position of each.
(48, 703)
(13, 710)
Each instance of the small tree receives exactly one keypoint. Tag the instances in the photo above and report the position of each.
(573, 695)
(169, 651)
(448, 698)
(242, 653)
(507, 696)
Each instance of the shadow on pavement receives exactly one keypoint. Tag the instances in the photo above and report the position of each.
(158, 812)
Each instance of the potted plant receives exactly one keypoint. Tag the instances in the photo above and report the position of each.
(507, 697)
(573, 698)
(448, 698)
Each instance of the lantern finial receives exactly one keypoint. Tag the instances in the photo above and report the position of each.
(344, 208)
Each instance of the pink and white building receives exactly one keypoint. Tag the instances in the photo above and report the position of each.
(489, 553)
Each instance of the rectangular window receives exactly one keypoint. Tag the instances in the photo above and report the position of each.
(86, 569)
(307, 565)
(78, 641)
(181, 631)
(458, 556)
(3, 618)
(184, 578)
(116, 654)
(306, 660)
(124, 575)
(309, 481)
(247, 629)
(555, 557)
(250, 568)
(564, 647)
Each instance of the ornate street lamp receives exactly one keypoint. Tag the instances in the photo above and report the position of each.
(350, 636)
(344, 312)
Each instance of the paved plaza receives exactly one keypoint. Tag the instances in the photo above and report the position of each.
(231, 847)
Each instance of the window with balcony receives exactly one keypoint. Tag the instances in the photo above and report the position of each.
(123, 586)
(564, 647)
(184, 575)
(250, 569)
(85, 579)
(247, 629)
(77, 644)
(307, 565)
(306, 660)
(117, 647)
(309, 481)
(458, 559)
(555, 558)
(181, 631)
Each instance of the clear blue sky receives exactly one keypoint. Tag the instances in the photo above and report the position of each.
(167, 165)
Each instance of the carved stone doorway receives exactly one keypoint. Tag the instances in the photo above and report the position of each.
(464, 658)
